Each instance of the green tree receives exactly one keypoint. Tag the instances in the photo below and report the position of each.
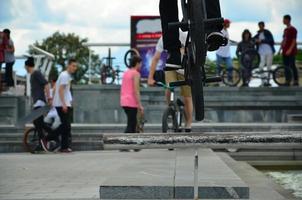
(66, 46)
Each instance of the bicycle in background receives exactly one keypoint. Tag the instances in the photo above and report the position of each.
(108, 74)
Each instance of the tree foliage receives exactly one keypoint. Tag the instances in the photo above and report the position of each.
(66, 46)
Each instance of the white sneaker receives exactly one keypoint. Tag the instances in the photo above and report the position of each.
(10, 91)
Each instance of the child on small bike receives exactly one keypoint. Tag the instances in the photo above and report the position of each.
(52, 118)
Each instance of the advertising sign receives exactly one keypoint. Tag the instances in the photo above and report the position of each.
(145, 33)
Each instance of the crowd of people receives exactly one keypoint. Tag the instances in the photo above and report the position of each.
(263, 42)
(60, 98)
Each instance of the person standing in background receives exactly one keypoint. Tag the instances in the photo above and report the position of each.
(246, 44)
(130, 98)
(62, 101)
(265, 45)
(2, 42)
(289, 51)
(223, 54)
(1, 49)
(9, 57)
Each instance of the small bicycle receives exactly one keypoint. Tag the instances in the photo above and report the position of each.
(172, 120)
(32, 140)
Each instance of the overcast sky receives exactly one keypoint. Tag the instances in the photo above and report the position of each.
(109, 21)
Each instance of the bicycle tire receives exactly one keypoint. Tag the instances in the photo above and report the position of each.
(233, 79)
(279, 76)
(31, 140)
(128, 56)
(167, 127)
(198, 51)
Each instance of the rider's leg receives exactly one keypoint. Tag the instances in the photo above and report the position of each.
(295, 70)
(213, 11)
(170, 76)
(169, 13)
(215, 38)
(65, 128)
(269, 63)
(185, 92)
(39, 123)
(261, 67)
(229, 65)
(219, 61)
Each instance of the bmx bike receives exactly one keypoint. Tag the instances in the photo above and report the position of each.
(172, 119)
(195, 22)
(32, 140)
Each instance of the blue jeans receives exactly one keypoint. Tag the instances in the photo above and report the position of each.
(221, 60)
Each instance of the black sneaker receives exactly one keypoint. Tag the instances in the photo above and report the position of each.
(188, 130)
(267, 85)
(216, 40)
(174, 61)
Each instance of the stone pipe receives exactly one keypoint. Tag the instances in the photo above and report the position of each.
(193, 140)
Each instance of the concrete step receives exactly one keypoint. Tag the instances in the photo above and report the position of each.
(156, 128)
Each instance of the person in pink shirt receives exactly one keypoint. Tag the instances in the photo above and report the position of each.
(130, 93)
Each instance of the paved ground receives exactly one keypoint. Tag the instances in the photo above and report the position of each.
(70, 176)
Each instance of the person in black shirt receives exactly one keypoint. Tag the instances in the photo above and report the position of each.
(169, 13)
(40, 93)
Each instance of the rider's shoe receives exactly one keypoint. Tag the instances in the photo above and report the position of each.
(188, 130)
(173, 61)
(216, 40)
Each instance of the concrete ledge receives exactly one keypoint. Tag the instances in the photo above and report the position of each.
(171, 177)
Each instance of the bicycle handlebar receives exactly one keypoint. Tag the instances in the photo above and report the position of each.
(161, 84)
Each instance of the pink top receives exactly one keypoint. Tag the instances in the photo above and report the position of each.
(128, 97)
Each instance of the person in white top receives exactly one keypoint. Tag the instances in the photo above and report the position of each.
(223, 54)
(265, 44)
(172, 76)
(63, 103)
(52, 116)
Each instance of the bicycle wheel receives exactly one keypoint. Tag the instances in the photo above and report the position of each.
(231, 77)
(197, 53)
(169, 121)
(279, 76)
(107, 75)
(128, 56)
(31, 141)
